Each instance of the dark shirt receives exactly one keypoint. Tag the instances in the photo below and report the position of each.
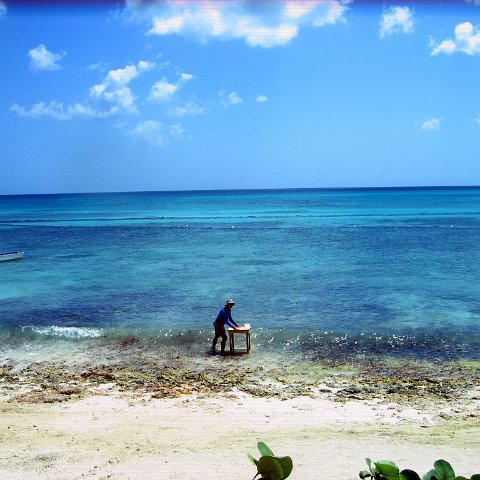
(225, 317)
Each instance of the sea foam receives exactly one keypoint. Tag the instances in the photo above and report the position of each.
(65, 332)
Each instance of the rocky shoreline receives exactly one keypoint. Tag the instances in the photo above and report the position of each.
(451, 387)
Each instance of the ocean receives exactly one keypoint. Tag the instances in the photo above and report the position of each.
(322, 273)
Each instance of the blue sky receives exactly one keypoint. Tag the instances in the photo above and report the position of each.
(182, 95)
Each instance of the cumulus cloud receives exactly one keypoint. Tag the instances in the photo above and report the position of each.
(396, 20)
(259, 24)
(114, 94)
(467, 40)
(123, 76)
(42, 59)
(431, 124)
(157, 134)
(164, 91)
(3, 9)
(106, 99)
(231, 99)
(262, 98)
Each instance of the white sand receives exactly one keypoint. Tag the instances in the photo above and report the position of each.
(118, 436)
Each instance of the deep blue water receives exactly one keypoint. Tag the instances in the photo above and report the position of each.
(379, 270)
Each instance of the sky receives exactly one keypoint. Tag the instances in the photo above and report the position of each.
(215, 94)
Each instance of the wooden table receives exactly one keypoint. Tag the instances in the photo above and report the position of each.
(231, 336)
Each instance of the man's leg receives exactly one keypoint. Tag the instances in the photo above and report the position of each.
(224, 340)
(219, 332)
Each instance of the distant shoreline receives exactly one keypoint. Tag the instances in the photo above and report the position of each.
(250, 190)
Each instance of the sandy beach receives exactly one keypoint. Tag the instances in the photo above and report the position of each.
(63, 423)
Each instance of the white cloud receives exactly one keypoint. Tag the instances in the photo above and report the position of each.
(298, 8)
(106, 99)
(475, 2)
(189, 109)
(100, 66)
(166, 26)
(186, 77)
(266, 37)
(3, 9)
(263, 24)
(156, 134)
(231, 99)
(113, 94)
(335, 13)
(164, 91)
(431, 124)
(396, 20)
(467, 40)
(123, 76)
(152, 131)
(234, 99)
(55, 110)
(42, 59)
(114, 100)
(178, 133)
(262, 98)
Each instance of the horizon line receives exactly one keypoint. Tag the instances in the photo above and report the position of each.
(117, 192)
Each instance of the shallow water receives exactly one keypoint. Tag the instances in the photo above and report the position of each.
(317, 273)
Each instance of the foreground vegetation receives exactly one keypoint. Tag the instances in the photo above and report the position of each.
(387, 470)
(271, 467)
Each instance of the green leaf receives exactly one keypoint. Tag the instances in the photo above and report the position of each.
(444, 470)
(287, 465)
(475, 477)
(270, 468)
(252, 459)
(388, 469)
(365, 474)
(461, 478)
(409, 475)
(264, 450)
(371, 467)
(430, 475)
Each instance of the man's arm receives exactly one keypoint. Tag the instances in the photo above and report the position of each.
(233, 321)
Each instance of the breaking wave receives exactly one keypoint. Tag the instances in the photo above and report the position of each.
(64, 332)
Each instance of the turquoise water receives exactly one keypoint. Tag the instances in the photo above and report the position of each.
(366, 271)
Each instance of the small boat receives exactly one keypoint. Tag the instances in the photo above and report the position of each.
(10, 256)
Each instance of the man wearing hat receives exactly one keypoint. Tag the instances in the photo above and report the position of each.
(224, 317)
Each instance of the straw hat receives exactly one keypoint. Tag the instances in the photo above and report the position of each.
(229, 302)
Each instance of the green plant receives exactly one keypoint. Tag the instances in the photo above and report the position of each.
(442, 470)
(269, 466)
(386, 470)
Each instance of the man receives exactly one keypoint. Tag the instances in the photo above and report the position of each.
(224, 317)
